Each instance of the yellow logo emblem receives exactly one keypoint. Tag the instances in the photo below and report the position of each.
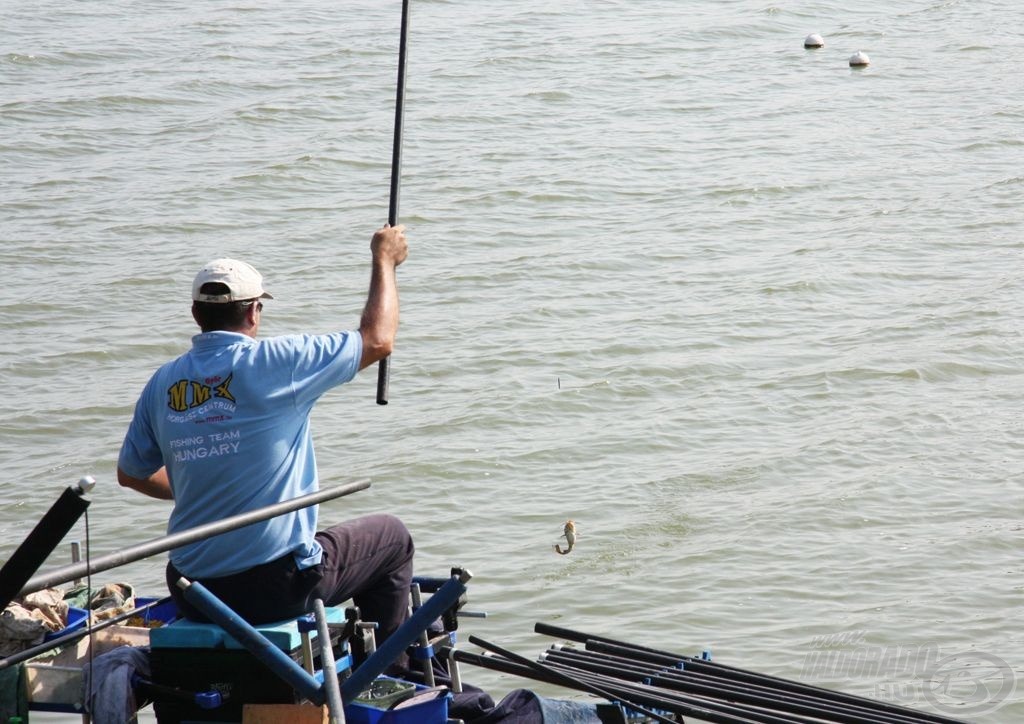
(185, 394)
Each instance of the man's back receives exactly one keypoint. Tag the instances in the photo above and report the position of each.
(230, 419)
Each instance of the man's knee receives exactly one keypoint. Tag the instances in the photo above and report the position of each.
(398, 532)
(389, 529)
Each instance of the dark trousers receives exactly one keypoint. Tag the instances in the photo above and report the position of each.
(368, 559)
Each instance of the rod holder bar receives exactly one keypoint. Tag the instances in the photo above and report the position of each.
(406, 634)
(176, 540)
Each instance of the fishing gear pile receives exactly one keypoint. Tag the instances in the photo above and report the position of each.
(663, 686)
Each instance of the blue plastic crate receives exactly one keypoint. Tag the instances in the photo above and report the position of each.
(164, 613)
(431, 711)
(77, 618)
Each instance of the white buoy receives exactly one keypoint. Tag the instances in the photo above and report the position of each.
(859, 59)
(814, 41)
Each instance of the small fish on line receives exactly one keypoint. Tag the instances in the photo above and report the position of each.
(569, 533)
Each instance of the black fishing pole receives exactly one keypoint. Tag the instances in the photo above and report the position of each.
(747, 679)
(628, 671)
(682, 703)
(384, 366)
(176, 540)
(613, 646)
(562, 678)
(613, 690)
(713, 687)
(685, 680)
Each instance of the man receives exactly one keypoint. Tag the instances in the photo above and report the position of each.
(224, 429)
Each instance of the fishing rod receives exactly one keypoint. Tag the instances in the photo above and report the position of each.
(684, 680)
(176, 540)
(384, 366)
(561, 678)
(702, 685)
(604, 644)
(681, 703)
(613, 692)
(891, 712)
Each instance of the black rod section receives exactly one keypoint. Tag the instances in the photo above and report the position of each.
(673, 700)
(687, 707)
(739, 676)
(384, 366)
(176, 540)
(613, 646)
(40, 543)
(565, 679)
(723, 689)
(672, 678)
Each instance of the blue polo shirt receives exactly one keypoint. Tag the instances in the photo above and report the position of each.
(230, 421)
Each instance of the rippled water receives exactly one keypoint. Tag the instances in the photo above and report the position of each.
(748, 315)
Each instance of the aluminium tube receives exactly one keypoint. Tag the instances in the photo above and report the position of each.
(332, 689)
(176, 540)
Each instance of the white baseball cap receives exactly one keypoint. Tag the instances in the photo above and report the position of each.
(243, 282)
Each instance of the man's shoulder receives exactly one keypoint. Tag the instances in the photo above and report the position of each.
(334, 355)
(306, 341)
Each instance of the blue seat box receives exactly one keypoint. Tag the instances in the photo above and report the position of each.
(185, 634)
(199, 657)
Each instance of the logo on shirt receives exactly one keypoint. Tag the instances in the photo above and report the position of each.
(187, 394)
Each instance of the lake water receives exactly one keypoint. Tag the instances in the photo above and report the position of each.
(751, 317)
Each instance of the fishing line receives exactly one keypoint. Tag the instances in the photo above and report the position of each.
(90, 650)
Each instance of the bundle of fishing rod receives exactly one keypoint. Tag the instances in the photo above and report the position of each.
(654, 685)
